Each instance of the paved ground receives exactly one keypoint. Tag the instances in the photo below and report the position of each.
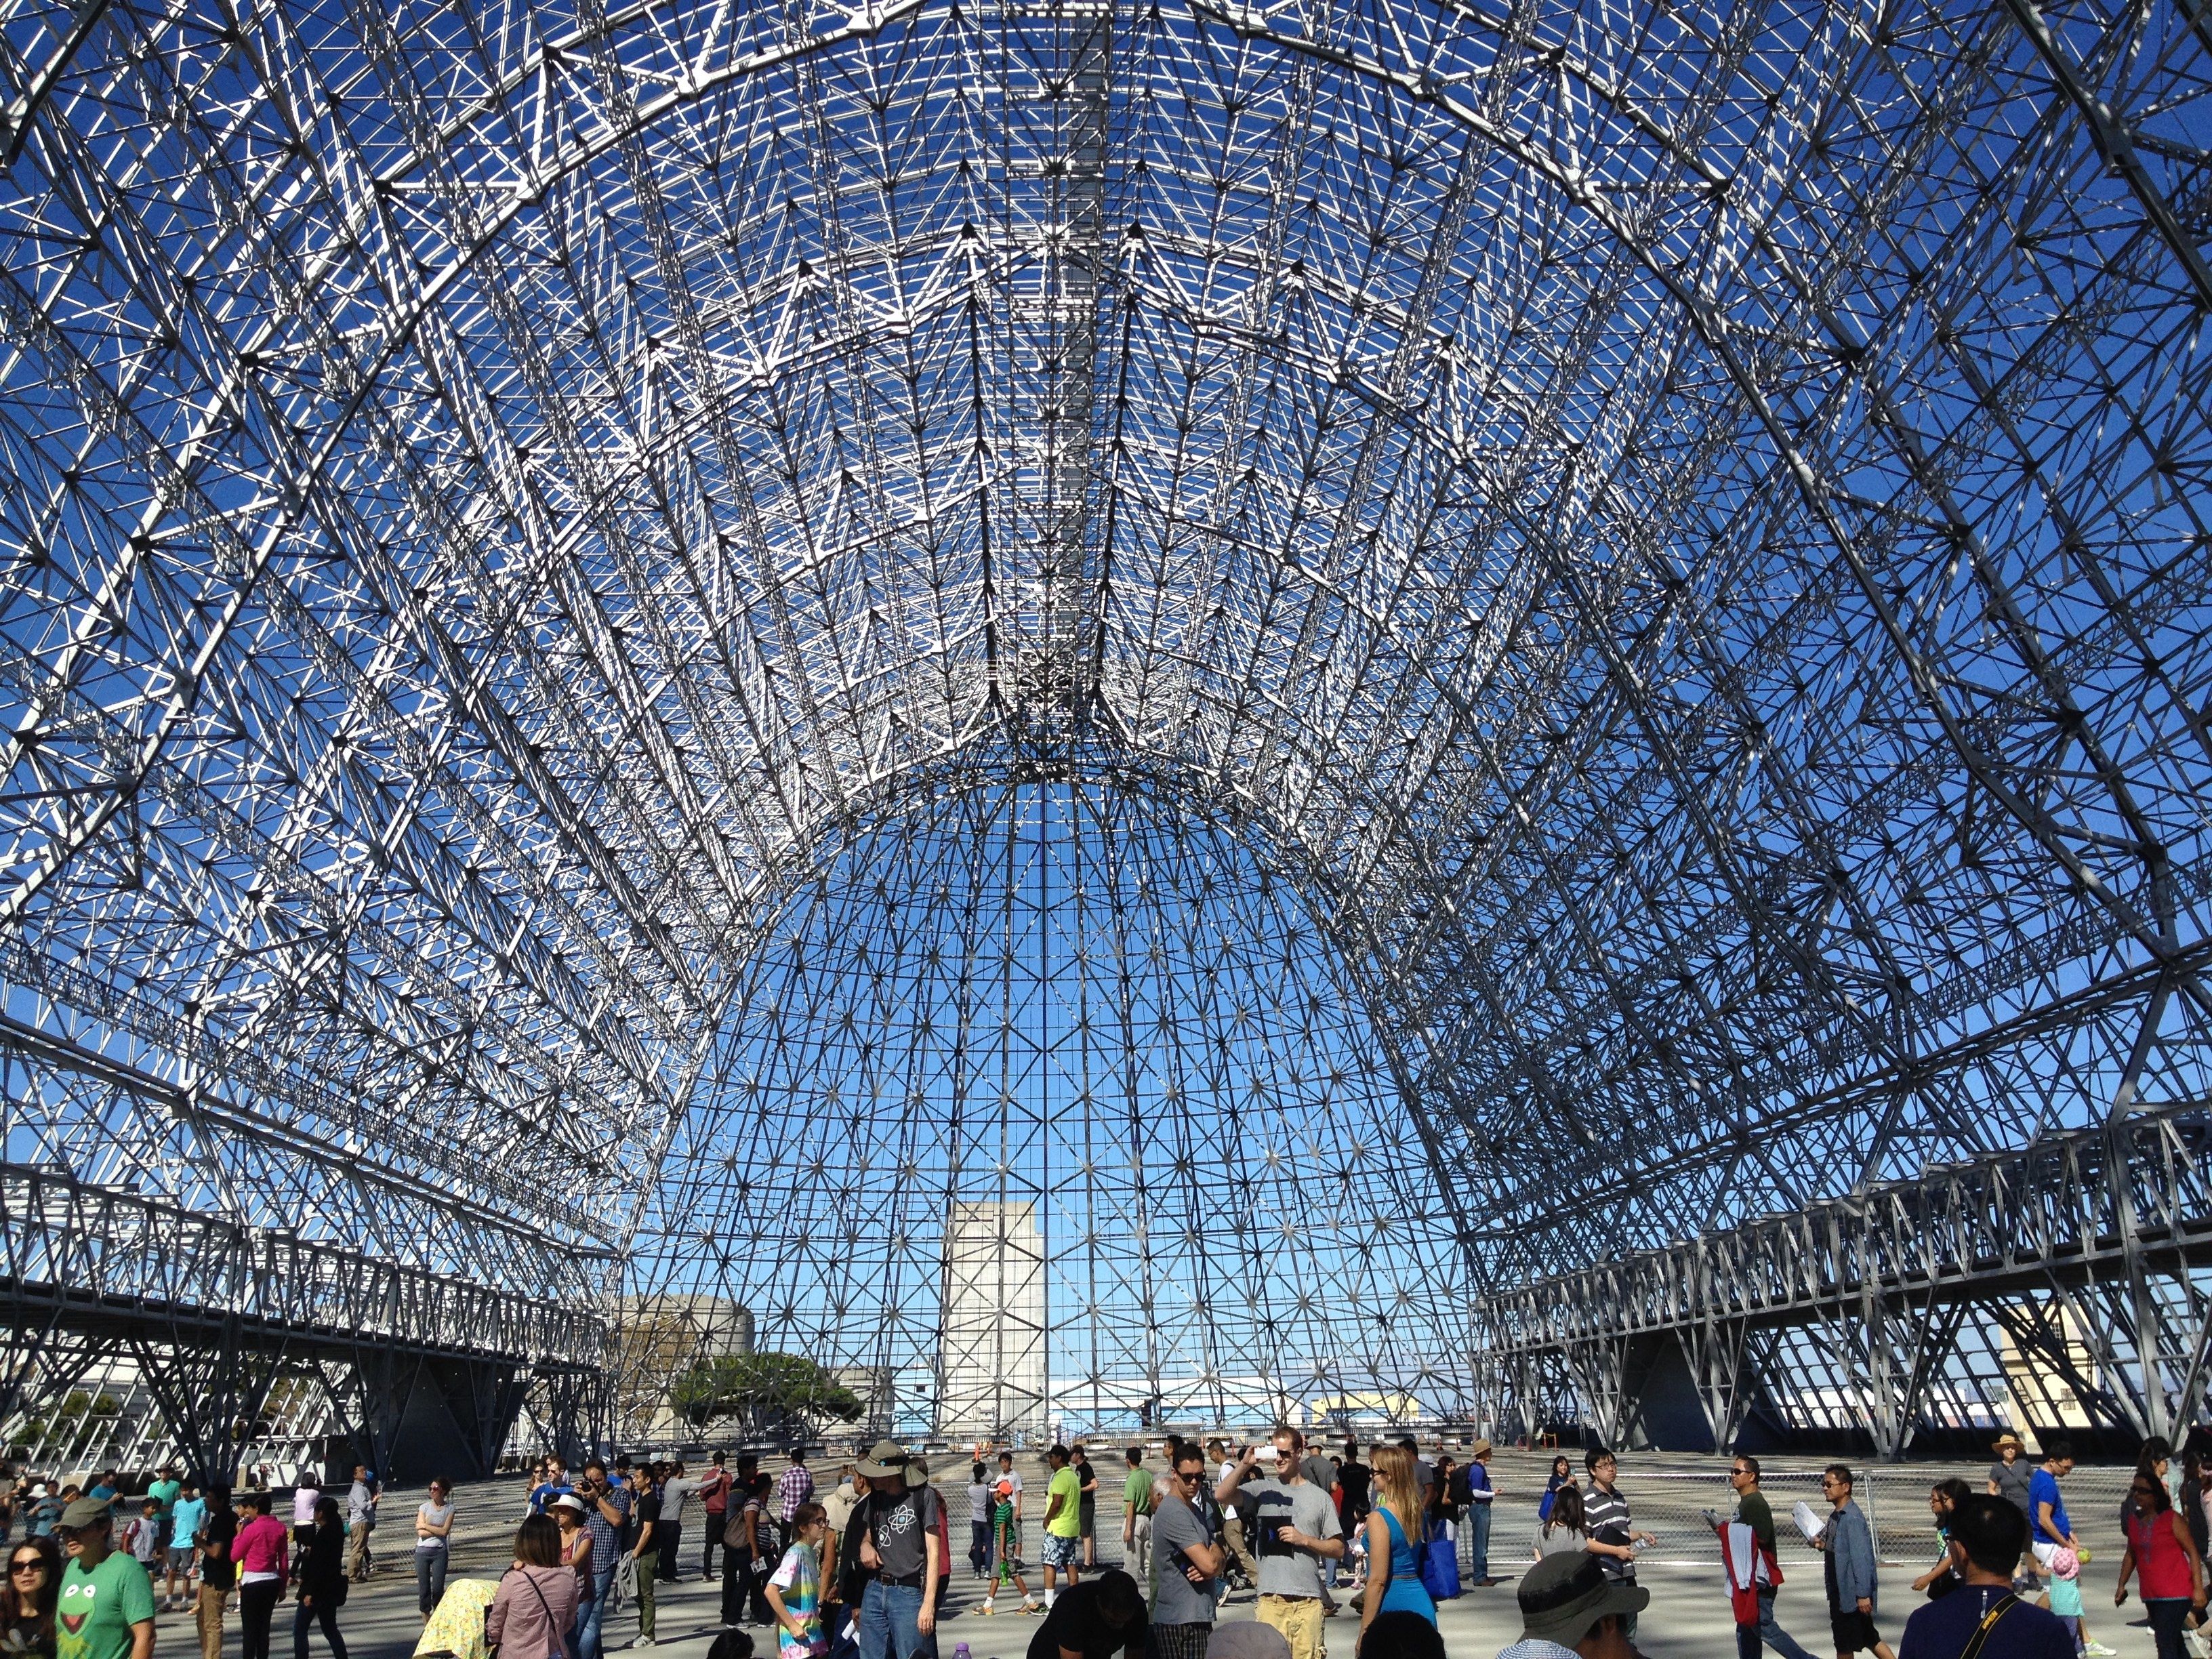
(1688, 1620)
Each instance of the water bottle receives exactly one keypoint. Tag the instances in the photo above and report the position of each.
(960, 1651)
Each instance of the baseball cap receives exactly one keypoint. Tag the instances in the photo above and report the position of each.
(1564, 1594)
(86, 1512)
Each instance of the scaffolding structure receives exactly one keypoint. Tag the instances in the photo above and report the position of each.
(1374, 653)
(2073, 1270)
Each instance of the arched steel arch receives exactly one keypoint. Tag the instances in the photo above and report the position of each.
(1680, 529)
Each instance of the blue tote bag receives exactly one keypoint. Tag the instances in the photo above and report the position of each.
(1440, 1566)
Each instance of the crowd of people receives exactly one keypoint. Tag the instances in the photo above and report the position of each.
(93, 1569)
(2005, 1582)
(864, 1570)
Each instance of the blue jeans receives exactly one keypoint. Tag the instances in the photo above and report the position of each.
(890, 1614)
(588, 1615)
(1749, 1637)
(1478, 1548)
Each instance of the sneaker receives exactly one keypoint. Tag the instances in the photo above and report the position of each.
(2099, 1650)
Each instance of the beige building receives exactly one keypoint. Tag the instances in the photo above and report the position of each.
(991, 1377)
(2037, 1389)
(656, 1340)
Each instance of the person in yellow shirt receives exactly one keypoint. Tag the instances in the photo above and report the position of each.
(1063, 1524)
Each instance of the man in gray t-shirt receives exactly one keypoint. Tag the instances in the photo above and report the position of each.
(1294, 1530)
(1187, 1557)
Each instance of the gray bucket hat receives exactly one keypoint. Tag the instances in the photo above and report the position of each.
(1564, 1594)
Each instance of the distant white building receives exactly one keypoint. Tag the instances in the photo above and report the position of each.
(991, 1366)
(657, 1338)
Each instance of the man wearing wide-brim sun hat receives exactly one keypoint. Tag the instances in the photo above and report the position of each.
(895, 1542)
(1569, 1606)
(2009, 1480)
(1479, 1495)
(2010, 1473)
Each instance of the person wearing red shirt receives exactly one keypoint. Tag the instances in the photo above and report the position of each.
(2160, 1544)
(714, 1490)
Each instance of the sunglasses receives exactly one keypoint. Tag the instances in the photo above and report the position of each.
(29, 1564)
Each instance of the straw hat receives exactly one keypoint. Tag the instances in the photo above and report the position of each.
(2011, 1440)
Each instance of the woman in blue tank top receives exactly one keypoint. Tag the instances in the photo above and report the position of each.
(1394, 1532)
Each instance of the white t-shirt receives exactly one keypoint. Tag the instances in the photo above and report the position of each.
(303, 1505)
(1013, 1479)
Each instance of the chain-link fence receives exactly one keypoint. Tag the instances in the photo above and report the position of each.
(1667, 1493)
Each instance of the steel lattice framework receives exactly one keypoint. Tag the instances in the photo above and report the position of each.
(1663, 545)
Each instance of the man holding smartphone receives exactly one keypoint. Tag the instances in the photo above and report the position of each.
(1294, 1529)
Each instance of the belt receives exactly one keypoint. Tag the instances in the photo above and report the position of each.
(911, 1581)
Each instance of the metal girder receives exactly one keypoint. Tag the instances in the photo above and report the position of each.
(2093, 1213)
(1675, 537)
(97, 1259)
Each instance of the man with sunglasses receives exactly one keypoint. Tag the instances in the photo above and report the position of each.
(107, 1605)
(1188, 1556)
(1294, 1531)
(1848, 1543)
(1752, 1511)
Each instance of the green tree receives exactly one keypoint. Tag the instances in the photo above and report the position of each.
(77, 1423)
(770, 1390)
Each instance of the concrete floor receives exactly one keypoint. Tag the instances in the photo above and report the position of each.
(1688, 1620)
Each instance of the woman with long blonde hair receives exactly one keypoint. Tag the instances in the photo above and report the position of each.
(1396, 1530)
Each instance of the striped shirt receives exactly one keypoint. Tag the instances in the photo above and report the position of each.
(1605, 1517)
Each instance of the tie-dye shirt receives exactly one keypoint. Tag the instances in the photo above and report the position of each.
(798, 1580)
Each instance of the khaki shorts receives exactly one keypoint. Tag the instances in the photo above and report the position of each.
(1298, 1618)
